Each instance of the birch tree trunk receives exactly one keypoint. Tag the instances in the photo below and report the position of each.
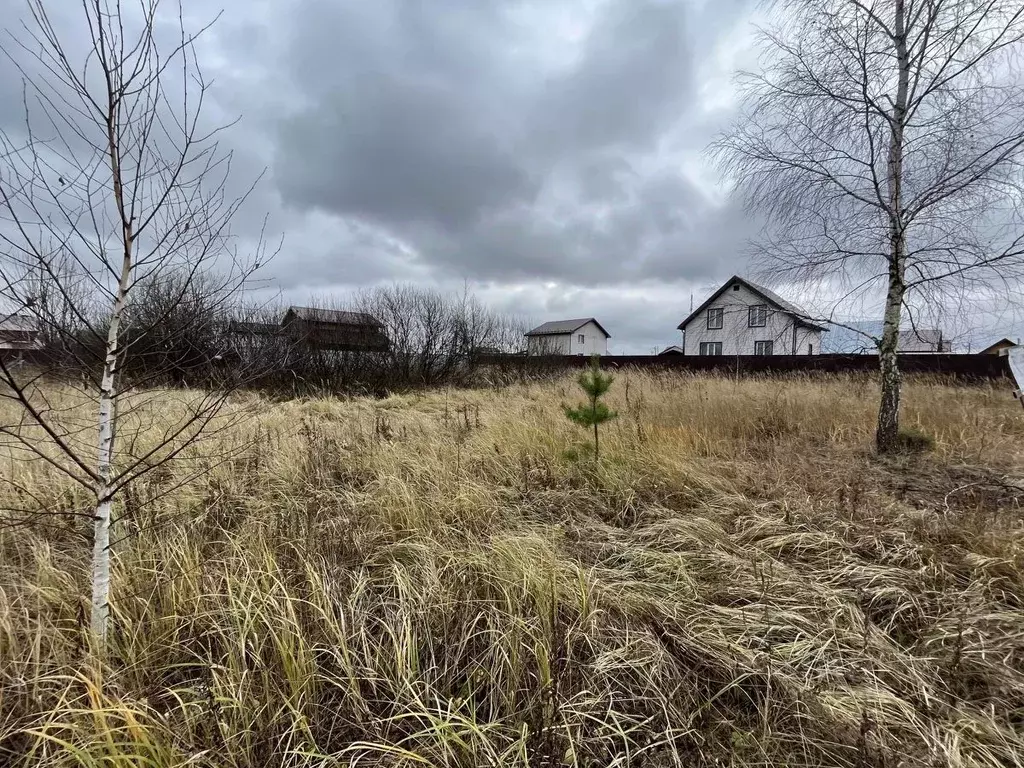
(108, 396)
(887, 432)
(104, 501)
(128, 185)
(109, 393)
(881, 141)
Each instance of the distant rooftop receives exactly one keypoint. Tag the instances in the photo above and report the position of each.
(340, 316)
(18, 323)
(996, 346)
(559, 327)
(854, 337)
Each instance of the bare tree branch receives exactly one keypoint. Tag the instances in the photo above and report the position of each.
(884, 142)
(117, 194)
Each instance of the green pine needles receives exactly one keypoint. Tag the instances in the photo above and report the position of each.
(593, 413)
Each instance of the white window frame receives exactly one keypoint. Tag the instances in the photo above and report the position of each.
(710, 349)
(717, 312)
(766, 347)
(761, 315)
(581, 339)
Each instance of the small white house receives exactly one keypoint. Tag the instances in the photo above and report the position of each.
(19, 333)
(583, 336)
(743, 318)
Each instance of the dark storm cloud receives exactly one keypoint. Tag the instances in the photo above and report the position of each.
(632, 79)
(499, 148)
(408, 115)
(408, 157)
(661, 226)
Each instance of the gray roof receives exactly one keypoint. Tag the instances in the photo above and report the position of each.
(853, 337)
(18, 323)
(770, 296)
(339, 316)
(1005, 341)
(920, 340)
(789, 306)
(559, 327)
(856, 337)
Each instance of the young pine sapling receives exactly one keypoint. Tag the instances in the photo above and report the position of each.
(594, 412)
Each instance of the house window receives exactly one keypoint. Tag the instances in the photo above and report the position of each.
(763, 348)
(810, 349)
(580, 338)
(715, 316)
(711, 348)
(757, 316)
(736, 287)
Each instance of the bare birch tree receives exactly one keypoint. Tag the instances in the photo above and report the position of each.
(115, 186)
(883, 142)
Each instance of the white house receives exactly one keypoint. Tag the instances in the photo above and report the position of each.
(743, 318)
(583, 336)
(19, 333)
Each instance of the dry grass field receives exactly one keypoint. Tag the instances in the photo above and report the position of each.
(449, 579)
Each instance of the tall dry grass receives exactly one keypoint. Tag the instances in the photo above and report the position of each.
(449, 580)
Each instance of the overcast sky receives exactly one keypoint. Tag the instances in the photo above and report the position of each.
(547, 152)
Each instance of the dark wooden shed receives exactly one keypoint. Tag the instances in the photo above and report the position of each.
(335, 329)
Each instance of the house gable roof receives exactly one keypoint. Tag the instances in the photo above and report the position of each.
(20, 323)
(338, 316)
(559, 327)
(768, 295)
(1005, 341)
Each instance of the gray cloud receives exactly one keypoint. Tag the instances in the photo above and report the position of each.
(518, 144)
(407, 117)
(497, 149)
(632, 80)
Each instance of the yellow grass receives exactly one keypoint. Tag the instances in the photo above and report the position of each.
(447, 579)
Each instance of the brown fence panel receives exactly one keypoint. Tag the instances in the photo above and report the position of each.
(979, 367)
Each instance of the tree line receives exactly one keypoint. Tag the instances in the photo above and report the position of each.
(194, 330)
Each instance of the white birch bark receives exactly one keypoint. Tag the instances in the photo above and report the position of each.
(110, 113)
(109, 393)
(889, 409)
(104, 466)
